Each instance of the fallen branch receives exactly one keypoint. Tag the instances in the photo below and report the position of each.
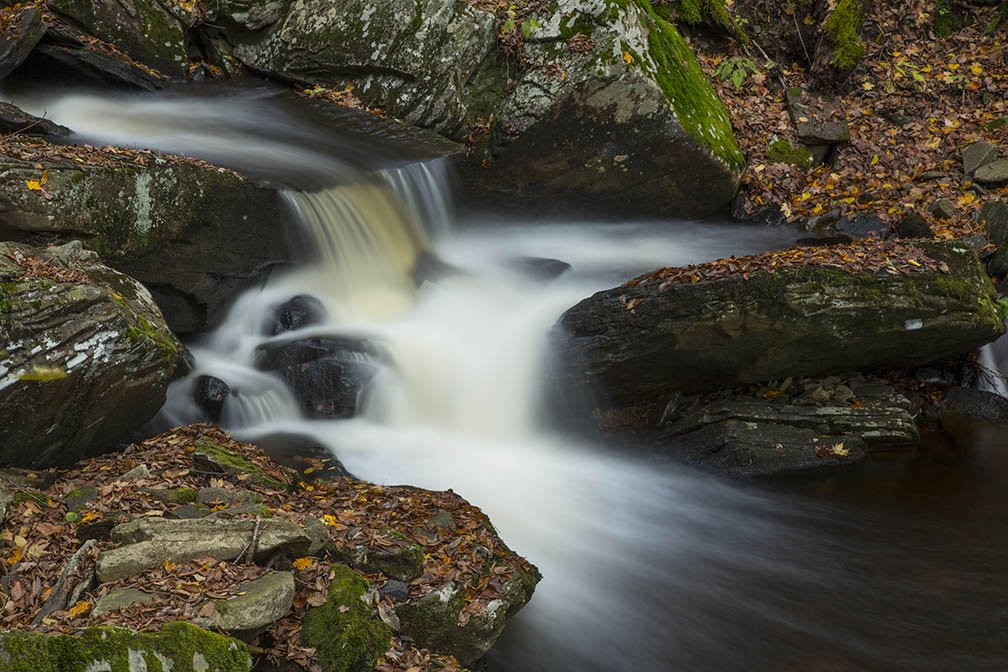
(60, 597)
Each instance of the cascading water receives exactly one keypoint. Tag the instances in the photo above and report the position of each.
(647, 566)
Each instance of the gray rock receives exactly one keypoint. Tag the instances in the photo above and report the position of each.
(80, 498)
(977, 155)
(120, 599)
(14, 120)
(261, 603)
(819, 120)
(137, 473)
(228, 496)
(994, 173)
(83, 346)
(149, 542)
(6, 499)
(843, 394)
(976, 405)
(194, 233)
(643, 340)
(397, 591)
(943, 208)
(994, 216)
(21, 33)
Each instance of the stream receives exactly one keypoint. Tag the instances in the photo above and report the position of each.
(895, 564)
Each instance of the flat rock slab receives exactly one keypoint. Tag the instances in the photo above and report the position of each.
(819, 120)
(647, 338)
(977, 155)
(14, 120)
(121, 599)
(149, 542)
(261, 603)
(995, 172)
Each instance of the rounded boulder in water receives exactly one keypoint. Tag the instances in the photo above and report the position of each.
(210, 395)
(297, 313)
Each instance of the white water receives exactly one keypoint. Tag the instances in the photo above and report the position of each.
(646, 566)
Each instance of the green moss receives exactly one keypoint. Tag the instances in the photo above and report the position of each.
(179, 647)
(432, 621)
(181, 495)
(702, 114)
(844, 28)
(949, 19)
(344, 633)
(404, 563)
(143, 329)
(231, 462)
(40, 373)
(782, 151)
(711, 12)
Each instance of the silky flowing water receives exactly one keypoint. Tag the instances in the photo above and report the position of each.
(898, 564)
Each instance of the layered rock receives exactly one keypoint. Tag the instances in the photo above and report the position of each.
(654, 336)
(85, 355)
(612, 105)
(193, 233)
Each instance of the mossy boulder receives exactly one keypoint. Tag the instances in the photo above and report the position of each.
(193, 233)
(86, 355)
(627, 119)
(782, 151)
(401, 559)
(345, 633)
(639, 341)
(179, 647)
(147, 31)
(212, 457)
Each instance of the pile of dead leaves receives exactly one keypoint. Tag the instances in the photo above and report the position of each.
(913, 103)
(863, 256)
(342, 97)
(35, 267)
(41, 535)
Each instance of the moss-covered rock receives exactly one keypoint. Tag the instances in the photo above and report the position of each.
(840, 47)
(638, 342)
(212, 456)
(87, 355)
(782, 151)
(348, 638)
(402, 559)
(178, 647)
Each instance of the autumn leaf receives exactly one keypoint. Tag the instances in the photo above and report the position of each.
(302, 564)
(80, 608)
(34, 185)
(14, 557)
(627, 58)
(838, 449)
(169, 566)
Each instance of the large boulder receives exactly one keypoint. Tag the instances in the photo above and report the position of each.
(21, 28)
(601, 99)
(800, 312)
(193, 233)
(85, 355)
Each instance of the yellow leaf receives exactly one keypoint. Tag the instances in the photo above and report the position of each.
(14, 557)
(81, 607)
(867, 86)
(45, 176)
(89, 516)
(977, 69)
(874, 160)
(169, 566)
(330, 520)
(302, 564)
(838, 449)
(34, 185)
(627, 57)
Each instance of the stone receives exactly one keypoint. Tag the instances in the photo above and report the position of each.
(943, 208)
(83, 346)
(299, 312)
(86, 64)
(819, 120)
(80, 498)
(193, 233)
(863, 226)
(975, 404)
(6, 499)
(121, 598)
(260, 603)
(644, 131)
(397, 591)
(994, 217)
(782, 151)
(210, 395)
(176, 646)
(149, 542)
(346, 636)
(993, 173)
(21, 33)
(977, 155)
(137, 473)
(539, 268)
(843, 393)
(395, 556)
(227, 496)
(210, 456)
(637, 341)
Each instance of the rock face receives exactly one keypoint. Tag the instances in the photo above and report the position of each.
(178, 646)
(260, 603)
(623, 115)
(639, 340)
(14, 120)
(192, 233)
(85, 355)
(22, 32)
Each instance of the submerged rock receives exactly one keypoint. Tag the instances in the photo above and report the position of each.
(85, 355)
(623, 117)
(193, 233)
(651, 337)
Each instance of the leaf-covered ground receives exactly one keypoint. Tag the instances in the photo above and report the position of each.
(43, 531)
(913, 103)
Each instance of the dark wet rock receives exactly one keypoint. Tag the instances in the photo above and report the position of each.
(994, 216)
(328, 376)
(913, 226)
(820, 121)
(540, 268)
(977, 155)
(429, 267)
(635, 342)
(210, 395)
(301, 311)
(19, 36)
(949, 17)
(645, 132)
(397, 591)
(83, 348)
(993, 173)
(122, 598)
(195, 235)
(863, 226)
(975, 404)
(300, 452)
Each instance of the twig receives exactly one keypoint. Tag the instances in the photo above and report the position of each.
(60, 595)
(253, 545)
(808, 59)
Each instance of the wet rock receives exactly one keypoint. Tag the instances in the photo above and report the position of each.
(943, 208)
(301, 311)
(120, 599)
(635, 342)
(820, 121)
(994, 173)
(429, 267)
(994, 216)
(210, 395)
(863, 226)
(646, 132)
(397, 591)
(81, 345)
(259, 604)
(327, 375)
(149, 542)
(212, 457)
(975, 404)
(394, 555)
(194, 234)
(540, 268)
(21, 33)
(977, 155)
